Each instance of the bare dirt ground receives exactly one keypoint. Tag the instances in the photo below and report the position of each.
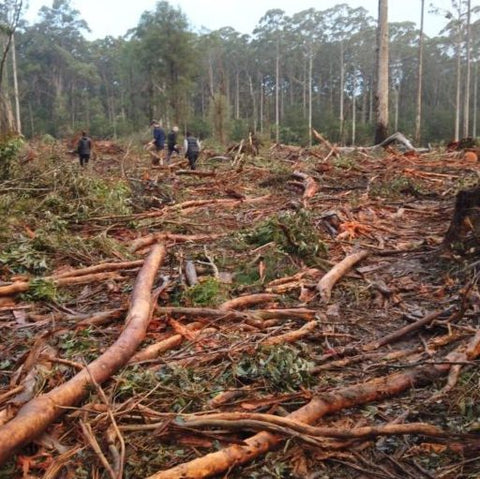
(370, 374)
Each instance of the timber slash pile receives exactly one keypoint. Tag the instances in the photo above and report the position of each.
(284, 313)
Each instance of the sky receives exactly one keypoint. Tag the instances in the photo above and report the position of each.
(116, 17)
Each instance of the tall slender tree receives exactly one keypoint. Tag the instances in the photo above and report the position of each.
(10, 14)
(418, 116)
(381, 129)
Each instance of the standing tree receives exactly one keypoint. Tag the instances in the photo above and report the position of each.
(270, 31)
(10, 12)
(466, 103)
(381, 129)
(418, 117)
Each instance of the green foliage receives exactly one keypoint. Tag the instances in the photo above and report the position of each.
(207, 293)
(396, 187)
(23, 258)
(134, 381)
(10, 146)
(279, 367)
(199, 127)
(292, 232)
(219, 117)
(41, 290)
(78, 345)
(239, 130)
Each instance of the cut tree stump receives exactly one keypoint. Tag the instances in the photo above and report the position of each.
(466, 218)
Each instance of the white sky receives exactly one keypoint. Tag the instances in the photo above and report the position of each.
(115, 17)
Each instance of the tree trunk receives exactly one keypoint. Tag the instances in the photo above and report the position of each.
(15, 87)
(466, 102)
(381, 129)
(342, 95)
(277, 94)
(418, 117)
(310, 74)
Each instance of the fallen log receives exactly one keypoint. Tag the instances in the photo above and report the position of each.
(245, 301)
(327, 282)
(23, 286)
(35, 416)
(291, 336)
(279, 424)
(374, 390)
(195, 173)
(150, 239)
(257, 314)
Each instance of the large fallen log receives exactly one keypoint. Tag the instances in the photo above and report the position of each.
(35, 416)
(373, 390)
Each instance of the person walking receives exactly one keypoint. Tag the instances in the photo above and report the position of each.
(172, 143)
(84, 149)
(156, 146)
(191, 147)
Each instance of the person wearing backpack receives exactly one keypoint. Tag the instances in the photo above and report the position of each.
(191, 147)
(172, 143)
(84, 149)
(156, 146)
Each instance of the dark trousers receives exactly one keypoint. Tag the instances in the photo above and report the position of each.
(171, 149)
(192, 159)
(84, 159)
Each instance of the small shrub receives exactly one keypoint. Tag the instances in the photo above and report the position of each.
(280, 367)
(9, 147)
(207, 293)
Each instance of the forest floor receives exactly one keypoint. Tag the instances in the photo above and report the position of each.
(242, 327)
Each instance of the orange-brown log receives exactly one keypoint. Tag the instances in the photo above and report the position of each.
(373, 390)
(98, 268)
(326, 284)
(291, 336)
(256, 314)
(148, 240)
(35, 416)
(245, 301)
(22, 286)
(272, 423)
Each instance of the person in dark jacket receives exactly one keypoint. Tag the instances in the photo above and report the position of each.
(84, 149)
(191, 146)
(172, 143)
(156, 146)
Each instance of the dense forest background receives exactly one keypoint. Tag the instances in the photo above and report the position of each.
(314, 68)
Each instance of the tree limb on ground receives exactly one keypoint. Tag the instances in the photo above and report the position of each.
(33, 418)
(373, 390)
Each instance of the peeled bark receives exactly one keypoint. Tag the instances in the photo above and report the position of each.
(327, 282)
(33, 418)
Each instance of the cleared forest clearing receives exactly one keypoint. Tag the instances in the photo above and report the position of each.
(292, 313)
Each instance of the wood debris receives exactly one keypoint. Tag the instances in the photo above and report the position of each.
(323, 299)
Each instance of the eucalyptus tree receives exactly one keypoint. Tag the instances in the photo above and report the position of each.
(108, 56)
(456, 39)
(10, 15)
(360, 80)
(403, 56)
(165, 51)
(55, 55)
(214, 82)
(269, 34)
(418, 116)
(342, 24)
(310, 35)
(381, 128)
